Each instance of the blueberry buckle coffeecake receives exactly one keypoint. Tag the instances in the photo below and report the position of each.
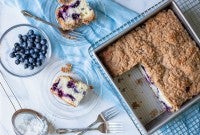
(74, 13)
(70, 90)
(170, 57)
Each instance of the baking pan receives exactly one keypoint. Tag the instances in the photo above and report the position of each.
(144, 110)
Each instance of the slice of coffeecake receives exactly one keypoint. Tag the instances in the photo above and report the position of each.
(73, 14)
(70, 90)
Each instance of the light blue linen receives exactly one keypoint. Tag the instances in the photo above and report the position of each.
(111, 18)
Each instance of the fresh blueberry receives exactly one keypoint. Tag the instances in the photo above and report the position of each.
(26, 61)
(36, 50)
(18, 56)
(17, 48)
(21, 60)
(24, 44)
(34, 55)
(31, 67)
(39, 63)
(26, 51)
(31, 60)
(24, 37)
(44, 52)
(21, 40)
(17, 62)
(30, 32)
(22, 50)
(37, 40)
(33, 37)
(16, 44)
(12, 55)
(30, 44)
(42, 57)
(31, 40)
(38, 36)
(31, 51)
(25, 66)
(20, 36)
(44, 47)
(38, 46)
(43, 41)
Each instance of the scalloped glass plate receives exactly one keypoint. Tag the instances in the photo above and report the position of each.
(81, 32)
(81, 70)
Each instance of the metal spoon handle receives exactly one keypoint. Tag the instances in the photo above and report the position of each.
(65, 130)
(28, 14)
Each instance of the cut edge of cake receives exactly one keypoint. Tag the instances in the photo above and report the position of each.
(72, 91)
(74, 13)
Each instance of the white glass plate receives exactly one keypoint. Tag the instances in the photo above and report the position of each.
(81, 70)
(96, 5)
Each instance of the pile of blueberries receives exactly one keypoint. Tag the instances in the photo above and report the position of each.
(31, 50)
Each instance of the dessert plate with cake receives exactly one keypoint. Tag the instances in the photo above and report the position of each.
(70, 90)
(75, 16)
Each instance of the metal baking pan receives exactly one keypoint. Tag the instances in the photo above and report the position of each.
(146, 125)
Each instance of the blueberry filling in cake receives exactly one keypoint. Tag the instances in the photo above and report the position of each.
(159, 95)
(73, 14)
(70, 90)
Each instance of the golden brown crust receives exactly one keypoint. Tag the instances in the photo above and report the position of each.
(65, 1)
(169, 55)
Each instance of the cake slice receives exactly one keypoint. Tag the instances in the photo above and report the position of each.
(69, 90)
(73, 14)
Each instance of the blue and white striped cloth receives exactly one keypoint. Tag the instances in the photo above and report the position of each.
(110, 16)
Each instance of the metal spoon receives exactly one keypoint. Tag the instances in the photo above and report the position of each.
(64, 33)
